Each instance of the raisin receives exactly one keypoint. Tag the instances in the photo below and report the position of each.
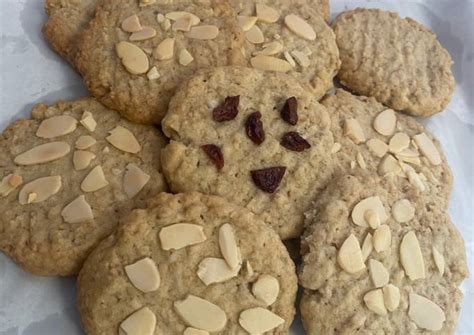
(227, 110)
(268, 179)
(215, 155)
(294, 142)
(254, 128)
(289, 112)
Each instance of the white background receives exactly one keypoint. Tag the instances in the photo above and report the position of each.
(30, 73)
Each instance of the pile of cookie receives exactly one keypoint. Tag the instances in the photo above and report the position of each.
(214, 132)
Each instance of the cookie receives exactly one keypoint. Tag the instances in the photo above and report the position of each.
(66, 19)
(398, 61)
(66, 176)
(132, 57)
(378, 260)
(188, 263)
(292, 37)
(394, 146)
(257, 138)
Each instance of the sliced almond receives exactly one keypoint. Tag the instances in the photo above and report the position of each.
(215, 270)
(266, 289)
(399, 142)
(249, 270)
(367, 246)
(43, 153)
(378, 147)
(301, 58)
(391, 297)
(358, 214)
(378, 273)
(372, 218)
(123, 139)
(270, 49)
(266, 13)
(131, 24)
(409, 156)
(411, 257)
(9, 183)
(382, 238)
(166, 24)
(353, 165)
(254, 35)
(144, 275)
(259, 320)
(403, 211)
(134, 180)
(439, 260)
(336, 147)
(180, 235)
(31, 198)
(425, 313)
(228, 246)
(269, 63)
(385, 122)
(375, 302)
(164, 50)
(389, 165)
(361, 161)
(145, 34)
(133, 58)
(95, 180)
(153, 74)
(85, 142)
(300, 27)
(194, 331)
(82, 159)
(246, 22)
(428, 148)
(289, 58)
(415, 180)
(353, 130)
(204, 32)
(141, 322)
(183, 24)
(185, 58)
(160, 18)
(175, 16)
(44, 188)
(77, 211)
(349, 256)
(56, 126)
(202, 314)
(87, 120)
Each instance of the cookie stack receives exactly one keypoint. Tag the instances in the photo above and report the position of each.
(213, 135)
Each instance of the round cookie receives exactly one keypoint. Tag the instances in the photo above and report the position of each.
(398, 61)
(218, 147)
(136, 73)
(290, 36)
(60, 199)
(389, 144)
(404, 282)
(256, 294)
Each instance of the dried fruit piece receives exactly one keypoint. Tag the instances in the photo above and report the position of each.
(385, 122)
(246, 22)
(175, 16)
(77, 211)
(375, 302)
(254, 128)
(378, 273)
(95, 180)
(215, 155)
(43, 153)
(194, 331)
(215, 270)
(270, 63)
(358, 214)
(87, 120)
(181, 235)
(85, 142)
(270, 49)
(201, 314)
(227, 110)
(9, 183)
(144, 275)
(144, 34)
(205, 32)
(439, 260)
(123, 139)
(131, 24)
(268, 179)
(349, 256)
(185, 57)
(44, 188)
(289, 112)
(428, 148)
(56, 126)
(378, 147)
(294, 142)
(141, 322)
(301, 58)
(133, 58)
(425, 313)
(382, 238)
(259, 320)
(367, 246)
(399, 142)
(411, 257)
(353, 130)
(164, 50)
(300, 27)
(391, 297)
(134, 180)
(266, 13)
(403, 211)
(266, 289)
(228, 246)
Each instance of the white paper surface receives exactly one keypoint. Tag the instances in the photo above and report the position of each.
(30, 73)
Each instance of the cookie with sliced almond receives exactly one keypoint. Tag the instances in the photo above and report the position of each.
(67, 175)
(188, 264)
(375, 257)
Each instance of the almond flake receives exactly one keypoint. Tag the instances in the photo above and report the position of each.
(372, 218)
(183, 24)
(175, 16)
(378, 147)
(153, 74)
(367, 247)
(202, 314)
(385, 122)
(164, 50)
(133, 58)
(266, 289)
(439, 260)
(44, 188)
(141, 322)
(382, 238)
(144, 275)
(215, 270)
(228, 246)
(259, 320)
(160, 18)
(289, 58)
(246, 22)
(349, 256)
(95, 180)
(82, 159)
(185, 58)
(85, 142)
(134, 180)
(87, 120)
(411, 257)
(336, 147)
(415, 179)
(166, 24)
(248, 268)
(300, 27)
(131, 24)
(31, 198)
(301, 58)
(353, 130)
(375, 302)
(269, 63)
(371, 203)
(361, 161)
(77, 211)
(145, 34)
(389, 165)
(123, 139)
(403, 211)
(43, 153)
(270, 49)
(10, 183)
(378, 273)
(391, 297)
(266, 13)
(254, 35)
(428, 148)
(181, 235)
(56, 126)
(399, 142)
(425, 313)
(194, 331)
(205, 32)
